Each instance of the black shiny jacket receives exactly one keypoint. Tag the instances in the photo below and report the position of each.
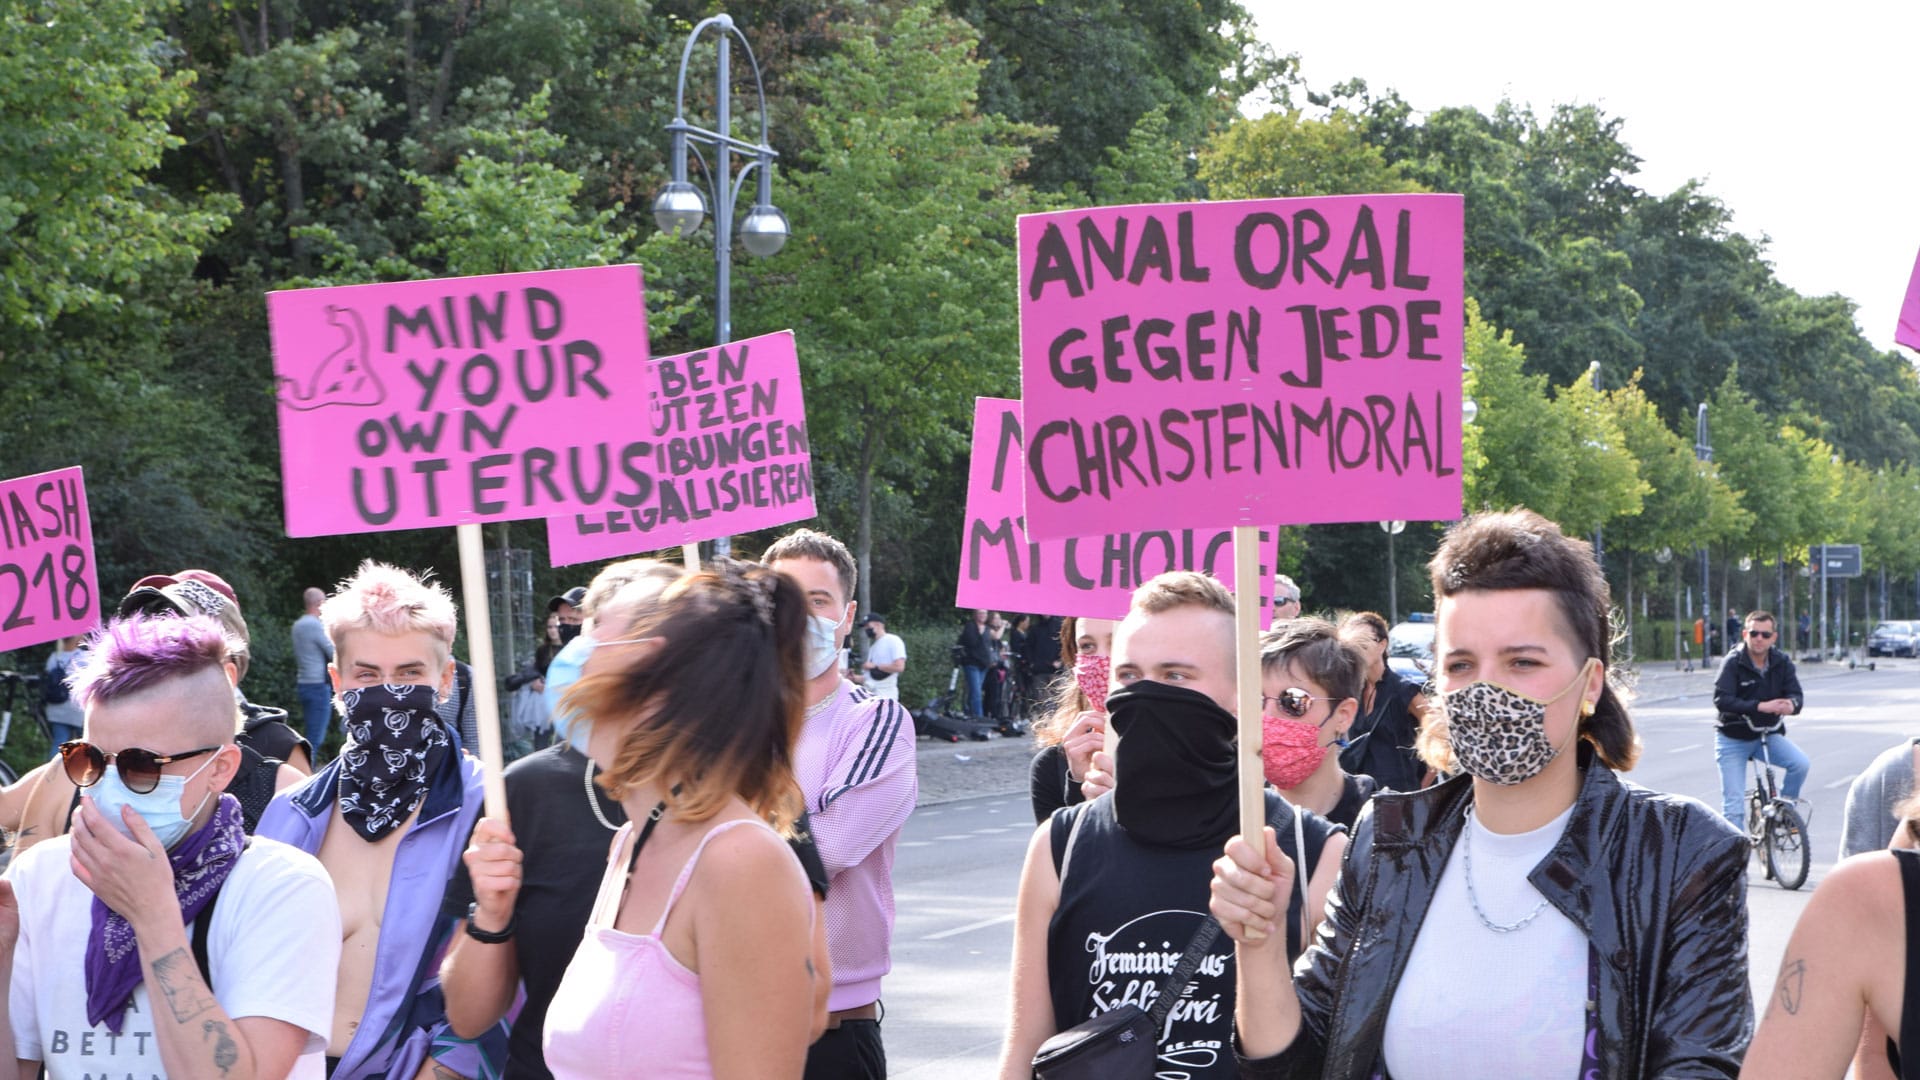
(1658, 882)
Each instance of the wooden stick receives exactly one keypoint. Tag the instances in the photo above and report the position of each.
(690, 554)
(486, 702)
(1246, 619)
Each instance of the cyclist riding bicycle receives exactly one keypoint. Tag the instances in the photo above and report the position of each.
(1755, 693)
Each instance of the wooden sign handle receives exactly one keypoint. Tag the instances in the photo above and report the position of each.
(486, 700)
(1246, 644)
(690, 554)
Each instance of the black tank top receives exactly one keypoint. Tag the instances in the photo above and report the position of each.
(1909, 863)
(1127, 912)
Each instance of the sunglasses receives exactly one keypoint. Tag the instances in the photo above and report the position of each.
(1286, 600)
(139, 769)
(1295, 702)
(1761, 634)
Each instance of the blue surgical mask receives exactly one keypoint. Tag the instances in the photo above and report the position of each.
(159, 807)
(823, 644)
(566, 668)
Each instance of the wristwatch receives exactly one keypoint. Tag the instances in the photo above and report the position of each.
(490, 937)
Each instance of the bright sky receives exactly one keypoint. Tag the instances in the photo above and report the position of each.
(1802, 119)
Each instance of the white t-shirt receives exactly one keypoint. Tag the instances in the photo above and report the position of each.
(1474, 1002)
(885, 650)
(273, 950)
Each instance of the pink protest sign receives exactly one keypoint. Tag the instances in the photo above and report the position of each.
(727, 450)
(48, 587)
(1001, 567)
(1275, 361)
(426, 403)
(1908, 332)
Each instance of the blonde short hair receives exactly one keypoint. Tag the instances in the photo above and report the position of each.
(1182, 588)
(391, 601)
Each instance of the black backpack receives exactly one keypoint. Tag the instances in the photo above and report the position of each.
(53, 684)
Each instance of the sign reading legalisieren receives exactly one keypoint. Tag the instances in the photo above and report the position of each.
(48, 585)
(1203, 365)
(1086, 576)
(728, 443)
(461, 400)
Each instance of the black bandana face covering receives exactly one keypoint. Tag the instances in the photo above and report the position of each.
(1175, 781)
(394, 741)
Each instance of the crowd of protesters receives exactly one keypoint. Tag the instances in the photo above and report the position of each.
(693, 875)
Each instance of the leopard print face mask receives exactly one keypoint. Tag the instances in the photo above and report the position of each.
(1500, 734)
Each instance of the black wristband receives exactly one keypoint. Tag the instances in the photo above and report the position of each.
(490, 937)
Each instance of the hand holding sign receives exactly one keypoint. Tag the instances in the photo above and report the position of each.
(48, 587)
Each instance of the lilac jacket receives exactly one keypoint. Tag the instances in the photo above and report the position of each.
(405, 1021)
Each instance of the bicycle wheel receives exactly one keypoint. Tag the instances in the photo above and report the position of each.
(1787, 850)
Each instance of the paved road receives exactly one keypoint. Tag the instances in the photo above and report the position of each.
(959, 862)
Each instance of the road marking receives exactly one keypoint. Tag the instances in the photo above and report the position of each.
(969, 928)
(954, 836)
(1842, 782)
(916, 843)
(1684, 749)
(987, 832)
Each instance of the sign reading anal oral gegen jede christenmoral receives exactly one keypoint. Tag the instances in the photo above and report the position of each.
(1286, 361)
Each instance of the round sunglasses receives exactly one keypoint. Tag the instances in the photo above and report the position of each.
(139, 769)
(1295, 702)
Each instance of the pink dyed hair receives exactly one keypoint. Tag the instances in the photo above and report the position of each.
(140, 652)
(391, 601)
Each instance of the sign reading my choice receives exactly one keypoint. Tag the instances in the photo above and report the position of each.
(1094, 576)
(1283, 361)
(461, 400)
(730, 454)
(48, 586)
(1908, 332)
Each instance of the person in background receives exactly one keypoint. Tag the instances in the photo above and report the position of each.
(978, 656)
(64, 715)
(570, 608)
(1115, 888)
(1872, 815)
(1755, 692)
(1382, 741)
(1019, 645)
(1732, 626)
(855, 764)
(697, 954)
(1043, 658)
(1310, 688)
(1077, 724)
(1534, 915)
(312, 652)
(1852, 963)
(105, 977)
(1286, 599)
(389, 818)
(886, 658)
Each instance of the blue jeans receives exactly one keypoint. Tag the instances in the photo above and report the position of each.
(976, 678)
(1733, 755)
(316, 712)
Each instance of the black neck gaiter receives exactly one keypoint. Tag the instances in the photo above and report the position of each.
(1175, 770)
(395, 742)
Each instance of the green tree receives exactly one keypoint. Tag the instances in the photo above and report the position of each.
(1605, 482)
(896, 280)
(1150, 167)
(1288, 153)
(1517, 451)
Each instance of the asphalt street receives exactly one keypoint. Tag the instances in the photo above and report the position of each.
(958, 864)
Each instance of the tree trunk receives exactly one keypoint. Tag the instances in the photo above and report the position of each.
(863, 532)
(1629, 606)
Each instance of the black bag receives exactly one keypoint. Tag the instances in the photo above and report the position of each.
(1121, 1044)
(53, 684)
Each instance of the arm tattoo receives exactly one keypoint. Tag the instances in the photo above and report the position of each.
(179, 981)
(225, 1053)
(1793, 980)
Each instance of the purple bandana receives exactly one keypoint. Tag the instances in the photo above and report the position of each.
(201, 863)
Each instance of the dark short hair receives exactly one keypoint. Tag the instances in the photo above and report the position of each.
(1758, 616)
(1313, 645)
(1519, 549)
(1372, 620)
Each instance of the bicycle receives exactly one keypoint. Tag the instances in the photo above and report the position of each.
(13, 687)
(1776, 827)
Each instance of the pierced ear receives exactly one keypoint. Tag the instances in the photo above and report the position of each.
(1344, 714)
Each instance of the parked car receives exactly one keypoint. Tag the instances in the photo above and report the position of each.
(1894, 638)
(1410, 647)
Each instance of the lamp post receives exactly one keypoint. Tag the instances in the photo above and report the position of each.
(681, 207)
(1393, 529)
(1703, 451)
(1599, 534)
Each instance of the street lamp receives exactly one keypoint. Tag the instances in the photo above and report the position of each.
(681, 206)
(1702, 451)
(1393, 529)
(1599, 534)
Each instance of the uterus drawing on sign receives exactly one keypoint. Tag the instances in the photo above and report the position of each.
(344, 377)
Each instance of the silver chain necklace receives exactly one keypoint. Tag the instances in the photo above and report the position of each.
(594, 801)
(1473, 896)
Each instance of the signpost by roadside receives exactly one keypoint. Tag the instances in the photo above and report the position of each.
(1240, 365)
(1834, 561)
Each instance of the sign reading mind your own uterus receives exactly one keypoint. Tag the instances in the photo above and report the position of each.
(1278, 361)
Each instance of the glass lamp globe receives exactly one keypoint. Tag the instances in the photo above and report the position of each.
(765, 231)
(680, 208)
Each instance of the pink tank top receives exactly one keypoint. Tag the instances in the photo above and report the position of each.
(624, 998)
